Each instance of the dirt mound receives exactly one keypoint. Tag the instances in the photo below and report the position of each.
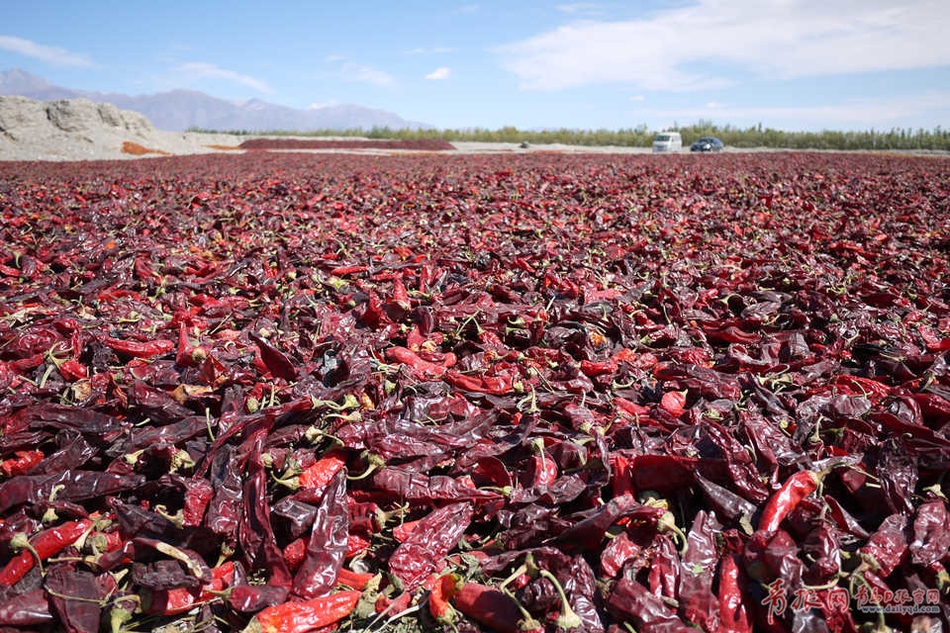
(79, 129)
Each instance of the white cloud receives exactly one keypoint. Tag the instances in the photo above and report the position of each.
(431, 51)
(367, 75)
(51, 54)
(204, 70)
(581, 8)
(442, 72)
(468, 8)
(854, 113)
(785, 39)
(351, 71)
(638, 98)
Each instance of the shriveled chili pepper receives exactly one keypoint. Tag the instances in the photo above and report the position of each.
(327, 545)
(402, 531)
(418, 366)
(305, 615)
(28, 610)
(733, 613)
(275, 360)
(139, 349)
(318, 474)
(21, 462)
(45, 544)
(493, 608)
(180, 599)
(787, 498)
(426, 546)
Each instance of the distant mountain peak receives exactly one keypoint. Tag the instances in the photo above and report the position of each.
(181, 109)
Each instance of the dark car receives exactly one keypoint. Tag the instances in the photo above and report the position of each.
(707, 144)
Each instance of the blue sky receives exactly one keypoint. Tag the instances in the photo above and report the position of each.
(789, 64)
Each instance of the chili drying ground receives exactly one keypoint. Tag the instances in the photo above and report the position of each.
(683, 391)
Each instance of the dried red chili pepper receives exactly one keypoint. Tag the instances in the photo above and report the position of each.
(733, 613)
(796, 487)
(493, 608)
(425, 548)
(305, 615)
(43, 545)
(26, 610)
(21, 462)
(443, 590)
(328, 542)
(139, 349)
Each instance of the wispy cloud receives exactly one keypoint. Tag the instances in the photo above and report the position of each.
(431, 51)
(848, 114)
(50, 54)
(442, 72)
(352, 71)
(581, 8)
(204, 70)
(671, 49)
(468, 8)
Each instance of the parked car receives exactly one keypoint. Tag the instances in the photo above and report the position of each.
(707, 144)
(667, 142)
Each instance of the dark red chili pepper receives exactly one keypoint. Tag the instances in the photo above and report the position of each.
(139, 349)
(276, 361)
(426, 546)
(733, 614)
(180, 599)
(305, 615)
(493, 608)
(327, 545)
(787, 498)
(45, 544)
(26, 610)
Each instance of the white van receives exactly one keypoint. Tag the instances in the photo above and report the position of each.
(667, 142)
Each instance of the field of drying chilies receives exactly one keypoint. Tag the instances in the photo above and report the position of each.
(515, 393)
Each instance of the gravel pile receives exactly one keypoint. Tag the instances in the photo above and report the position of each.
(79, 129)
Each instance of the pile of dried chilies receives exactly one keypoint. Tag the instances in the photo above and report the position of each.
(534, 393)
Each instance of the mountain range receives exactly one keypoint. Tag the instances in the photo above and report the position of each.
(179, 110)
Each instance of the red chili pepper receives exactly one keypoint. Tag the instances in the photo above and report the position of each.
(139, 349)
(795, 488)
(443, 589)
(45, 544)
(305, 615)
(180, 599)
(72, 370)
(673, 402)
(295, 553)
(355, 580)
(348, 270)
(402, 531)
(321, 472)
(418, 366)
(21, 463)
(356, 544)
(733, 615)
(493, 608)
